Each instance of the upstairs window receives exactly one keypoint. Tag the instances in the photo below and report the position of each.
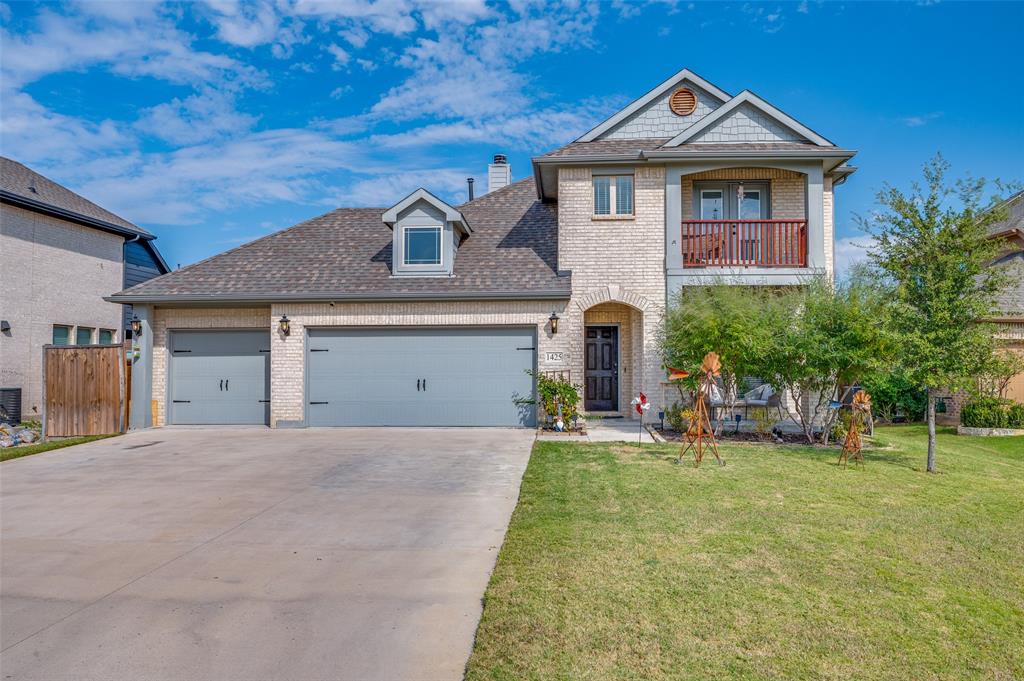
(422, 246)
(106, 336)
(83, 336)
(613, 195)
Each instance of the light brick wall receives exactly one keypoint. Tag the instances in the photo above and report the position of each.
(52, 272)
(828, 201)
(166, 320)
(615, 261)
(787, 190)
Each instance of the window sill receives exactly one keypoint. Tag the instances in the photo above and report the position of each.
(613, 218)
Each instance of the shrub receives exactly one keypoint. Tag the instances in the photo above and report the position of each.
(763, 422)
(893, 394)
(992, 412)
(553, 393)
(678, 417)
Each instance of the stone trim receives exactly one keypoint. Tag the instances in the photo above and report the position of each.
(613, 293)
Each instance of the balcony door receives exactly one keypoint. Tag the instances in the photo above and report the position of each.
(732, 201)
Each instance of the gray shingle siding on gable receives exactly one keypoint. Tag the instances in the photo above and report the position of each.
(747, 124)
(657, 119)
(347, 255)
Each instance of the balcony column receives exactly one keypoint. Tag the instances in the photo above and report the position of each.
(815, 212)
(673, 217)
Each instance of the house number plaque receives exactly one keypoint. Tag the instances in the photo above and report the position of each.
(556, 357)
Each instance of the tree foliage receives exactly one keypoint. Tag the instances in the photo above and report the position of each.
(932, 245)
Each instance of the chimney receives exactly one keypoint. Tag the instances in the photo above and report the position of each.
(499, 173)
(470, 181)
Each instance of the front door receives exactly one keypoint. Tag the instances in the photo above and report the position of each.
(601, 374)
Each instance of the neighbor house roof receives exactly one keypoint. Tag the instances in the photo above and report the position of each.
(346, 255)
(24, 187)
(1013, 225)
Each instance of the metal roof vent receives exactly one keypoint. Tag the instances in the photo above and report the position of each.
(683, 102)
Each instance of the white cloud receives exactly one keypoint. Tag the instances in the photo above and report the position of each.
(922, 119)
(341, 56)
(207, 115)
(851, 251)
(385, 189)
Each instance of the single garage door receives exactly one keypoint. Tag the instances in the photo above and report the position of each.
(220, 377)
(420, 377)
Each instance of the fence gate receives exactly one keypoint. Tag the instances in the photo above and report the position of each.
(83, 390)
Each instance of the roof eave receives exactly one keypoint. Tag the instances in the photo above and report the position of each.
(381, 297)
(71, 216)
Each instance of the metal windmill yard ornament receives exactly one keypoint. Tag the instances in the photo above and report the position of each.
(700, 431)
(861, 408)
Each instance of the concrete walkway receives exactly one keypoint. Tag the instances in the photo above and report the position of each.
(254, 554)
(605, 430)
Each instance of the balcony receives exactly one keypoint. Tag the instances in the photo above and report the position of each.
(744, 243)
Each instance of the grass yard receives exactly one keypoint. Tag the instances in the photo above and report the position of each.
(26, 450)
(620, 564)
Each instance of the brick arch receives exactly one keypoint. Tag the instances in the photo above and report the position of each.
(613, 293)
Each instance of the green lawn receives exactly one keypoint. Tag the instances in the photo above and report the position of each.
(26, 450)
(620, 564)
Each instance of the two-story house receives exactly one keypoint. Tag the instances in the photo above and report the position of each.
(426, 313)
(60, 254)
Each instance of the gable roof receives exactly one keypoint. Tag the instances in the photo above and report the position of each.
(25, 188)
(346, 255)
(638, 104)
(749, 98)
(451, 214)
(1013, 224)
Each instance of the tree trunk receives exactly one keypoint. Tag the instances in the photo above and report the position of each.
(931, 431)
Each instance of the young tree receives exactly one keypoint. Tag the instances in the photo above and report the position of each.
(932, 245)
(825, 336)
(721, 318)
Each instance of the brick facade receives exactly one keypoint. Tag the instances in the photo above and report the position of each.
(615, 261)
(53, 272)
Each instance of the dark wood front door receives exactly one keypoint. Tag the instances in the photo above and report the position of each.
(602, 369)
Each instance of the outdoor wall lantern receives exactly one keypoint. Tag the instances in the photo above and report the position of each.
(554, 323)
(136, 326)
(285, 325)
(5, 326)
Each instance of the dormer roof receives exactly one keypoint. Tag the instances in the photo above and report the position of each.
(451, 214)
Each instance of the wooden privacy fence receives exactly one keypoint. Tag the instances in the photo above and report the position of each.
(83, 390)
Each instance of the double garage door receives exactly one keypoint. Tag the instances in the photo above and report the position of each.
(361, 377)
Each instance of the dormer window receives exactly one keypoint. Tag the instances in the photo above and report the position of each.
(422, 245)
(427, 234)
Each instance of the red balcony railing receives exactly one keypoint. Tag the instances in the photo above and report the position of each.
(744, 243)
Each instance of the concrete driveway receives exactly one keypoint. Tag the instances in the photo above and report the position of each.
(254, 554)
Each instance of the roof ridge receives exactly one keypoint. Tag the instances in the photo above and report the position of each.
(496, 192)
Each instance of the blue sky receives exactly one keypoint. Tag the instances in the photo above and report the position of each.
(214, 123)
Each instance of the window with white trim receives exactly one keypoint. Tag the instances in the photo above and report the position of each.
(613, 195)
(422, 245)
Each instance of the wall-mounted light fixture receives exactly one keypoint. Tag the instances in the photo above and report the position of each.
(554, 323)
(285, 325)
(5, 326)
(136, 326)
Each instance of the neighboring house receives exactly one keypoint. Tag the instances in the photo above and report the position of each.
(1010, 317)
(430, 314)
(61, 254)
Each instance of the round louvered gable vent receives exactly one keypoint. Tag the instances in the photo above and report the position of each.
(683, 102)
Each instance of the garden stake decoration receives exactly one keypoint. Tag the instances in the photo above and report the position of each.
(700, 429)
(641, 405)
(861, 407)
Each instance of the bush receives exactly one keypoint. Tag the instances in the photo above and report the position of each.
(678, 417)
(992, 412)
(553, 393)
(893, 394)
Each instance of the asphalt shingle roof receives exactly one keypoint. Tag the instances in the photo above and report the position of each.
(347, 254)
(23, 182)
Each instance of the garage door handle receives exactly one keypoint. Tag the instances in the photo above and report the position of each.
(226, 381)
(182, 351)
(222, 384)
(182, 401)
(262, 401)
(264, 350)
(526, 348)
(424, 385)
(318, 349)
(417, 385)
(319, 403)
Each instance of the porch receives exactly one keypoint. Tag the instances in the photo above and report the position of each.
(748, 225)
